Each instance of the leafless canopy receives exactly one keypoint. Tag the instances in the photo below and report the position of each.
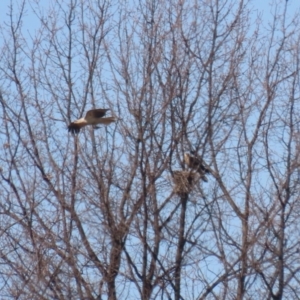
(116, 213)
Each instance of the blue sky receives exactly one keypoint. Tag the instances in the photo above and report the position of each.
(261, 6)
(30, 20)
(31, 23)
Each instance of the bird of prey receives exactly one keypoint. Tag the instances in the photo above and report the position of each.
(92, 117)
(196, 163)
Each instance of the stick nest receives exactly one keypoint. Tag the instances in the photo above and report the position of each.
(184, 181)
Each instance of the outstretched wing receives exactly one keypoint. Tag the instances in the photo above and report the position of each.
(92, 117)
(95, 113)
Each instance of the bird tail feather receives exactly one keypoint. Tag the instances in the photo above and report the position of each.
(107, 121)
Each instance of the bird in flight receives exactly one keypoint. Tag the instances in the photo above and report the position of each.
(196, 163)
(92, 117)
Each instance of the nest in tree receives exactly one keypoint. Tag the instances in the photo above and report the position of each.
(184, 181)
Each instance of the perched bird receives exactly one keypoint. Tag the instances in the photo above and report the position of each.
(92, 117)
(196, 163)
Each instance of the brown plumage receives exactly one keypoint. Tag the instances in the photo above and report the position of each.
(92, 117)
(197, 164)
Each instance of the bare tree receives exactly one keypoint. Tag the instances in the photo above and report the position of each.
(117, 213)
